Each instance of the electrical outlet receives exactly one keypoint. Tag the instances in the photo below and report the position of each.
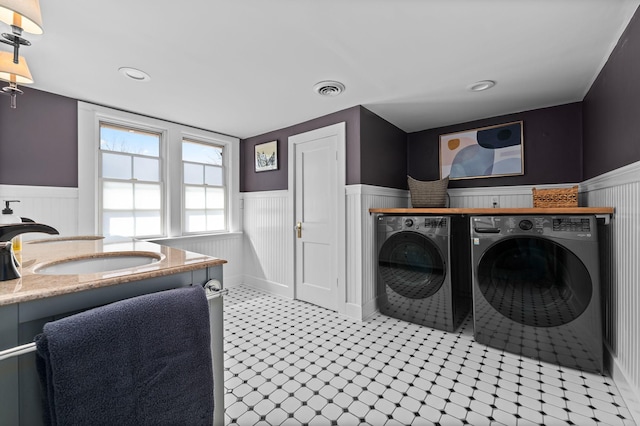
(495, 202)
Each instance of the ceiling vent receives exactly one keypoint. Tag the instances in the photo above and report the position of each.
(329, 88)
(479, 86)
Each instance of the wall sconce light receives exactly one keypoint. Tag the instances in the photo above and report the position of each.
(14, 74)
(21, 15)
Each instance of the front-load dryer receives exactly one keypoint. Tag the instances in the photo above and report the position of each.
(536, 287)
(418, 276)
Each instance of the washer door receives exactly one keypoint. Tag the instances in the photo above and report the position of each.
(411, 265)
(534, 281)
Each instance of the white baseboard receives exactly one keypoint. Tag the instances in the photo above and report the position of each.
(267, 286)
(353, 311)
(234, 281)
(369, 309)
(628, 393)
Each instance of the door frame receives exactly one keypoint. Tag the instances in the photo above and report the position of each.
(338, 130)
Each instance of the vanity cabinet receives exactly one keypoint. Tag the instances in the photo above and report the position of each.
(20, 395)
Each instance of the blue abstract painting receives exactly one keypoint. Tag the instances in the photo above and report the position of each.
(485, 152)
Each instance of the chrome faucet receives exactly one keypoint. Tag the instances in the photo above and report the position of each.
(8, 261)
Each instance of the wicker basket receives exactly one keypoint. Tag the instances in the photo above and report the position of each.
(560, 197)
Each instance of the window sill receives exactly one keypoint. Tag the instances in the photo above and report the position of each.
(220, 235)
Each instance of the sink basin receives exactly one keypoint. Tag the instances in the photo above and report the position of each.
(101, 263)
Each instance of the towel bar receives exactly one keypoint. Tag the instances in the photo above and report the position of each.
(17, 351)
(212, 291)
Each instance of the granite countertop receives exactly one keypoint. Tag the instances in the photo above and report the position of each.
(38, 253)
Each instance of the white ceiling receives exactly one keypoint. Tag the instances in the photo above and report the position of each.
(246, 67)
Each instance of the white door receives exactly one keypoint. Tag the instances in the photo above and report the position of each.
(318, 216)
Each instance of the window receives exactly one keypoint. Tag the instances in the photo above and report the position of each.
(148, 178)
(131, 185)
(203, 187)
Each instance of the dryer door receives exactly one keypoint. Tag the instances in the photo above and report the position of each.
(534, 281)
(411, 265)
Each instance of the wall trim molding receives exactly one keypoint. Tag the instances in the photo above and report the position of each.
(362, 189)
(270, 287)
(40, 191)
(628, 393)
(369, 309)
(353, 311)
(376, 190)
(233, 281)
(200, 237)
(618, 177)
(503, 190)
(265, 194)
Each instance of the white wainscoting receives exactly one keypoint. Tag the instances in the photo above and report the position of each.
(503, 196)
(268, 233)
(224, 246)
(53, 206)
(620, 262)
(361, 245)
(261, 256)
(58, 207)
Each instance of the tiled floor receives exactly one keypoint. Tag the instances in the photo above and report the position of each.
(293, 363)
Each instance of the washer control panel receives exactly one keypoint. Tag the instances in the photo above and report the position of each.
(572, 224)
(431, 224)
(525, 224)
(424, 222)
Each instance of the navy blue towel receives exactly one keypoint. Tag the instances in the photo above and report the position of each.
(140, 361)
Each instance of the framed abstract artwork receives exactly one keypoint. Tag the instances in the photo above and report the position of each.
(266, 156)
(485, 152)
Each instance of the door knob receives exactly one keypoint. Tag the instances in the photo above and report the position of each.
(299, 229)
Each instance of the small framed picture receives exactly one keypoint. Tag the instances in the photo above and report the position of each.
(266, 156)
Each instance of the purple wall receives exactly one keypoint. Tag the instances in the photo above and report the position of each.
(376, 152)
(383, 152)
(39, 140)
(562, 144)
(612, 108)
(552, 148)
(250, 180)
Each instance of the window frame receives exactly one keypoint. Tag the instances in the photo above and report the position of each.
(89, 118)
(223, 166)
(161, 175)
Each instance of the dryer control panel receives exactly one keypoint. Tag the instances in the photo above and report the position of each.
(561, 226)
(527, 225)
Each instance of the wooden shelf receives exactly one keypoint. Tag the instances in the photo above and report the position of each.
(499, 211)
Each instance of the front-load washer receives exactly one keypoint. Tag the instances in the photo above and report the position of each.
(536, 287)
(419, 278)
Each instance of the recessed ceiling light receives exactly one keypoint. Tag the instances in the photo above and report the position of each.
(479, 86)
(329, 88)
(134, 74)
